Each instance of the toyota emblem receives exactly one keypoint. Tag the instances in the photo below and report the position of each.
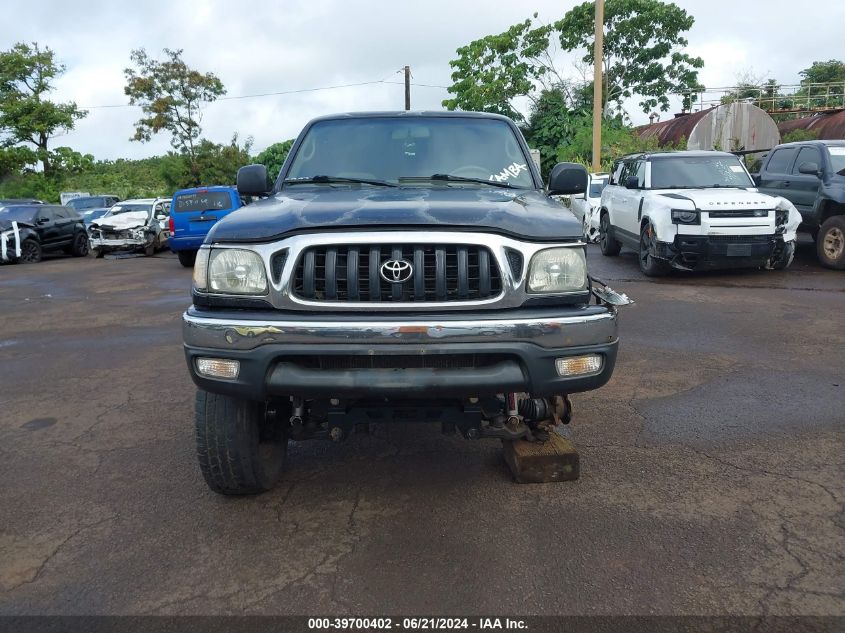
(396, 271)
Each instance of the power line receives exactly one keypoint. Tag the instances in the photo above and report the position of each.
(282, 92)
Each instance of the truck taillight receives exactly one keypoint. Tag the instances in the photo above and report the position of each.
(172, 226)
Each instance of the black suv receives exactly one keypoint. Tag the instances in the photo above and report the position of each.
(404, 266)
(28, 230)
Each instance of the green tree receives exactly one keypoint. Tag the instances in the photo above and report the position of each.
(27, 117)
(213, 164)
(552, 124)
(643, 55)
(274, 157)
(643, 49)
(171, 96)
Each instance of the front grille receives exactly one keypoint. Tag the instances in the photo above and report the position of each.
(125, 234)
(397, 361)
(744, 239)
(446, 272)
(739, 213)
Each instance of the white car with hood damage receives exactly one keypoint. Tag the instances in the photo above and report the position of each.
(132, 225)
(694, 210)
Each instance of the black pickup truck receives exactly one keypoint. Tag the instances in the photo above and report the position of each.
(811, 175)
(403, 266)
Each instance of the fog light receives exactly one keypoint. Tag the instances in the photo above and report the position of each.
(218, 367)
(579, 365)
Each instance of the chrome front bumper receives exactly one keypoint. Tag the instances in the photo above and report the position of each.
(282, 356)
(579, 326)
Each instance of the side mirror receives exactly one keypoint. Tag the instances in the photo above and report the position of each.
(632, 182)
(808, 168)
(567, 179)
(253, 181)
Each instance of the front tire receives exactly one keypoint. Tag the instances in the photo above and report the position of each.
(80, 246)
(187, 258)
(240, 451)
(609, 245)
(830, 243)
(30, 251)
(650, 265)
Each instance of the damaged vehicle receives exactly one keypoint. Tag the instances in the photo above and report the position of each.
(28, 231)
(586, 206)
(132, 225)
(403, 267)
(694, 210)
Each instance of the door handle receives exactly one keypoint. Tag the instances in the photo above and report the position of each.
(786, 183)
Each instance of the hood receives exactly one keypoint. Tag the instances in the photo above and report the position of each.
(712, 199)
(522, 214)
(6, 225)
(128, 220)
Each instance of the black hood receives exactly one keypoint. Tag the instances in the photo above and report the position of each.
(5, 225)
(522, 214)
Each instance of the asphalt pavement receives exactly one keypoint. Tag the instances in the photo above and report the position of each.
(711, 468)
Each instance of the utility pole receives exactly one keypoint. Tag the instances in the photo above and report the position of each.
(598, 52)
(407, 87)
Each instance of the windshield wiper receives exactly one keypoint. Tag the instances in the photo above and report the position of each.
(451, 178)
(340, 179)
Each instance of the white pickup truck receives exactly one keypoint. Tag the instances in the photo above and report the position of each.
(694, 210)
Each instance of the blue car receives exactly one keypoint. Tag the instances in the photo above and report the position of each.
(192, 214)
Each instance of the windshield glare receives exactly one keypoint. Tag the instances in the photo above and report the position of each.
(392, 148)
(128, 208)
(698, 171)
(18, 214)
(837, 160)
(596, 187)
(86, 203)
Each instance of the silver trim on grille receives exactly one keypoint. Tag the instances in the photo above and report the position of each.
(282, 297)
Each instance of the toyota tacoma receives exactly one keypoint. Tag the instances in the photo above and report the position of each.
(402, 266)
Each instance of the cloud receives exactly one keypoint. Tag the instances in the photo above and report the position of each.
(259, 47)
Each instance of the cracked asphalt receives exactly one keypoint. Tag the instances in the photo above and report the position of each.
(712, 468)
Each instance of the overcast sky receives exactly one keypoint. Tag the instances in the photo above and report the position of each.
(260, 47)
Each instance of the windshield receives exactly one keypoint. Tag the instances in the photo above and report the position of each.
(86, 203)
(596, 187)
(93, 214)
(392, 148)
(18, 214)
(129, 208)
(685, 172)
(203, 201)
(837, 160)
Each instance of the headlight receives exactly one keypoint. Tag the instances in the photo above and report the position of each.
(558, 270)
(138, 234)
(679, 216)
(236, 271)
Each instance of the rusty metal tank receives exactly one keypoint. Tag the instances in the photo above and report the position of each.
(825, 126)
(728, 127)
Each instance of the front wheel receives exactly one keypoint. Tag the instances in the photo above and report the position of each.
(650, 265)
(830, 243)
(609, 245)
(30, 251)
(80, 245)
(187, 258)
(240, 450)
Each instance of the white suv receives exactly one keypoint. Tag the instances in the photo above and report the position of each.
(694, 210)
